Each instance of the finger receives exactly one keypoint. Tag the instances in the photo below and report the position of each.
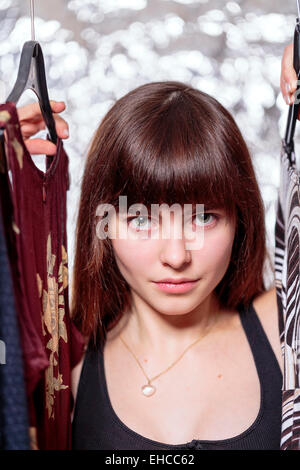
(288, 91)
(29, 130)
(284, 91)
(40, 146)
(32, 111)
(57, 106)
(287, 66)
(62, 127)
(287, 95)
(288, 79)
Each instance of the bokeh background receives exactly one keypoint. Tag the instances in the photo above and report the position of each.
(97, 50)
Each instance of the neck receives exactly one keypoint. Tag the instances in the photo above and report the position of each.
(149, 331)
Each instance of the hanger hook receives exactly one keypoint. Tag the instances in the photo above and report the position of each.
(298, 5)
(32, 20)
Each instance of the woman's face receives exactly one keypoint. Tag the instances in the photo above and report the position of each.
(148, 254)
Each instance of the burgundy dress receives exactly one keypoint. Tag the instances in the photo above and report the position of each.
(35, 224)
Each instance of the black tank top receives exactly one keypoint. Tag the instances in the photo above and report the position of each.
(96, 425)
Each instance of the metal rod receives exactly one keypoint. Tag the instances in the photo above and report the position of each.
(32, 19)
(298, 5)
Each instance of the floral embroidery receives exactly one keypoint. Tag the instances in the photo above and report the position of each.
(53, 303)
(19, 151)
(5, 116)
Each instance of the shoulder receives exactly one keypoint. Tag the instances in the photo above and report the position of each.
(265, 305)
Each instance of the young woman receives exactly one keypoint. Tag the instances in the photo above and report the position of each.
(182, 338)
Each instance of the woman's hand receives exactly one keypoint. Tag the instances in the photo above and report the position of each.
(31, 121)
(288, 79)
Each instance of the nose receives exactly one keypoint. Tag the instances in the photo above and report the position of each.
(174, 253)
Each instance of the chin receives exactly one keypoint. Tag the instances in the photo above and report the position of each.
(176, 311)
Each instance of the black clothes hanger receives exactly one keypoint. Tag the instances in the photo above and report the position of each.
(31, 75)
(294, 108)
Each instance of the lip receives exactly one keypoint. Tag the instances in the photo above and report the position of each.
(176, 287)
(180, 280)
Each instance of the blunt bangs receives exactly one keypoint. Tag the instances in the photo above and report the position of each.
(177, 157)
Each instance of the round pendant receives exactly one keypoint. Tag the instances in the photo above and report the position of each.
(148, 390)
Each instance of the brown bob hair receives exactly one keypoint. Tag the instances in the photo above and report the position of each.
(165, 142)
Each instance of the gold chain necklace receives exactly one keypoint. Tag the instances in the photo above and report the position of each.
(148, 389)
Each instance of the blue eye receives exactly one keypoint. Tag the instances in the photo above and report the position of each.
(139, 222)
(202, 215)
(143, 222)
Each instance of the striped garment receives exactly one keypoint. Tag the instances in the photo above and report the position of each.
(287, 276)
